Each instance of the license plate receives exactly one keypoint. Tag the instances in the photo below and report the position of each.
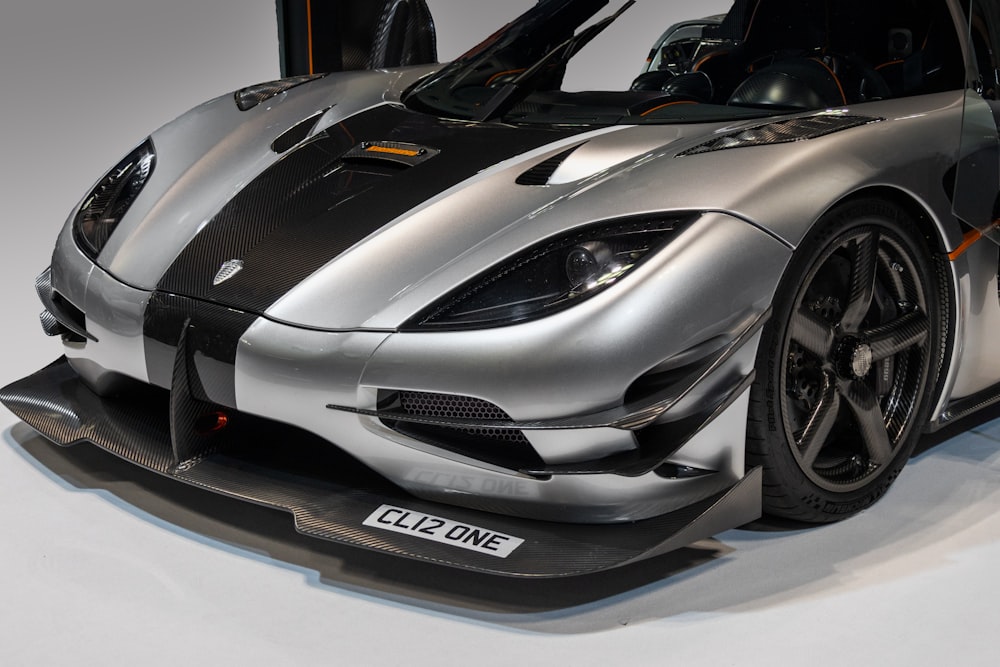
(444, 531)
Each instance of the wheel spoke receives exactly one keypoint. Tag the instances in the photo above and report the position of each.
(862, 283)
(901, 334)
(820, 424)
(864, 405)
(812, 332)
(848, 359)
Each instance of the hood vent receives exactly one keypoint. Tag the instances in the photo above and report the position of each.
(296, 135)
(782, 132)
(252, 96)
(542, 172)
(394, 152)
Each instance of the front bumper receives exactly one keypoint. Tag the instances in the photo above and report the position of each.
(668, 457)
(334, 497)
(598, 463)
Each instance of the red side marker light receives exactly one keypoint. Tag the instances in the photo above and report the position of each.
(211, 423)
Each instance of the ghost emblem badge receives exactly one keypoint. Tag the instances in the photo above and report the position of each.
(228, 269)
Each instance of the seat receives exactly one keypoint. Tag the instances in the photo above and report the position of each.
(791, 83)
(924, 57)
(765, 31)
(870, 51)
(896, 48)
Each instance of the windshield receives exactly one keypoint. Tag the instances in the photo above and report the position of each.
(763, 57)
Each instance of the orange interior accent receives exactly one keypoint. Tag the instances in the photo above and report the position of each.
(500, 74)
(668, 104)
(753, 17)
(309, 33)
(836, 79)
(705, 59)
(891, 62)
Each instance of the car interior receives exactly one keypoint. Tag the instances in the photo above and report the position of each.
(806, 54)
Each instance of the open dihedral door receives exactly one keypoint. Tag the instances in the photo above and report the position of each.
(977, 179)
(338, 35)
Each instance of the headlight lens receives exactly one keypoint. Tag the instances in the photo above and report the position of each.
(551, 276)
(108, 202)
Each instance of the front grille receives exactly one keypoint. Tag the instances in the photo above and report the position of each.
(451, 406)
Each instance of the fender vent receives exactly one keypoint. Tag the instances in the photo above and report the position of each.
(542, 172)
(782, 132)
(252, 96)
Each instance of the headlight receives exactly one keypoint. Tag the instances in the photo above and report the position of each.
(550, 276)
(249, 97)
(107, 203)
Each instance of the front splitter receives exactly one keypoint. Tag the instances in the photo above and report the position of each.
(333, 497)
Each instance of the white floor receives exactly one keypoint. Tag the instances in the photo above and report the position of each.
(104, 564)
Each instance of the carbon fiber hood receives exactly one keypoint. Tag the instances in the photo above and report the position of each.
(453, 236)
(328, 235)
(332, 192)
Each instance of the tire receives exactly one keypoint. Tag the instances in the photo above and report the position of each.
(848, 363)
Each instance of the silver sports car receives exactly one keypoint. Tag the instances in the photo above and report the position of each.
(456, 313)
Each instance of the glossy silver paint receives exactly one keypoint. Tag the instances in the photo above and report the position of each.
(977, 365)
(114, 315)
(290, 374)
(335, 338)
(342, 348)
(471, 229)
(523, 368)
(210, 153)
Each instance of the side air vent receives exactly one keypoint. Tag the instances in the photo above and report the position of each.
(450, 406)
(542, 172)
(782, 132)
(505, 447)
(60, 317)
(251, 96)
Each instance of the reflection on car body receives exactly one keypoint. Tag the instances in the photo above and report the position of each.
(590, 326)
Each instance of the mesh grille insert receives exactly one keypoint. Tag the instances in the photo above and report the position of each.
(507, 447)
(450, 406)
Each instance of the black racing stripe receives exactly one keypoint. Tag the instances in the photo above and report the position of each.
(211, 334)
(311, 205)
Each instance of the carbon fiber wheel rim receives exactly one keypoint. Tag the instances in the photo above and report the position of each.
(855, 357)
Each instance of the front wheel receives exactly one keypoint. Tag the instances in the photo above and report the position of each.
(847, 365)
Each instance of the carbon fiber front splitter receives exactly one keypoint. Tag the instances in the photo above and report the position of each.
(334, 497)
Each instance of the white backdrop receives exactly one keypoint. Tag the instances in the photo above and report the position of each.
(85, 83)
(611, 61)
(102, 564)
